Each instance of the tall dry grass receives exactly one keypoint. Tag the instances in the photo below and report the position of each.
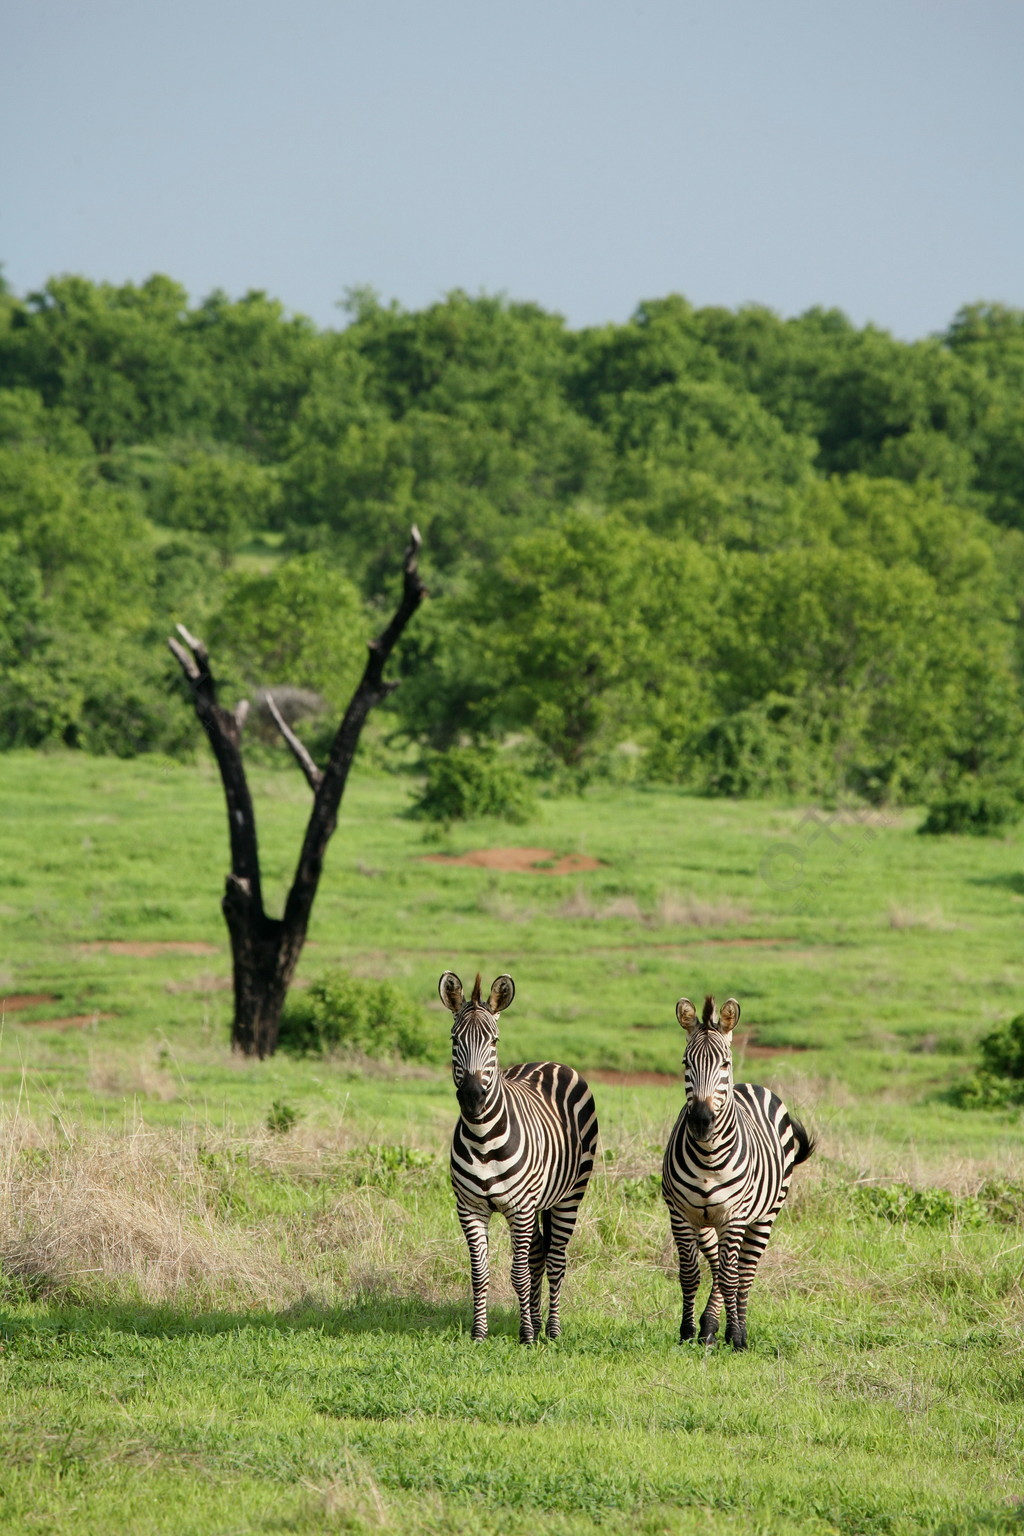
(202, 1218)
(86, 1213)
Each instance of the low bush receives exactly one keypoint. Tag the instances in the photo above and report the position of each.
(999, 1081)
(473, 781)
(769, 748)
(929, 1207)
(974, 806)
(282, 1117)
(341, 1012)
(999, 1202)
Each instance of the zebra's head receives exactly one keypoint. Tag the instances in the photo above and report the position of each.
(475, 1039)
(707, 1064)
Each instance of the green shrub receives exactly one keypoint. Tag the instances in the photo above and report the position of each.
(983, 1091)
(930, 1207)
(339, 1011)
(999, 1081)
(999, 1201)
(766, 749)
(981, 808)
(473, 781)
(1002, 1050)
(1004, 1201)
(281, 1117)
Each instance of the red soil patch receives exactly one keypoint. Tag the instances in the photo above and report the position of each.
(25, 1000)
(75, 1021)
(746, 1046)
(695, 943)
(635, 1079)
(520, 861)
(145, 949)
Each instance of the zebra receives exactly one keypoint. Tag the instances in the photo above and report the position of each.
(726, 1172)
(524, 1145)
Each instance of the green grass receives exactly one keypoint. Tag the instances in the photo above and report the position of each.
(209, 1326)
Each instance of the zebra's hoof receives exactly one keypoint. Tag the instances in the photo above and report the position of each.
(739, 1340)
(554, 1330)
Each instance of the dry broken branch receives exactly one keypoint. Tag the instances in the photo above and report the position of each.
(301, 756)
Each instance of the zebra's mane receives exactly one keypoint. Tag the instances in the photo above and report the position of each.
(708, 1016)
(475, 999)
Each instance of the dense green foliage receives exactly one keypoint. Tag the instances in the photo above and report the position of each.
(771, 555)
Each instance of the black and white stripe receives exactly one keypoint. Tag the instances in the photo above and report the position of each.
(726, 1172)
(524, 1146)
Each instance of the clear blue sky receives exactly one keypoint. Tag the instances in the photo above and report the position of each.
(586, 154)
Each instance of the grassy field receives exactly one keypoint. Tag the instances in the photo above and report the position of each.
(210, 1327)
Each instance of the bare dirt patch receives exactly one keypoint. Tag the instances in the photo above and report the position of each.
(73, 1021)
(208, 983)
(751, 1047)
(617, 1079)
(746, 1045)
(520, 861)
(146, 949)
(25, 1000)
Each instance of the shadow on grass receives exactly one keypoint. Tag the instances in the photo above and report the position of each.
(371, 1312)
(1009, 882)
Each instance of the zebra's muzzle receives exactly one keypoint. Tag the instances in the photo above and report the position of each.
(700, 1117)
(471, 1094)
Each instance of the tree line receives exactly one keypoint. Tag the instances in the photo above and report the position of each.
(708, 547)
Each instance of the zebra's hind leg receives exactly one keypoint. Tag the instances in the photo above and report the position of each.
(755, 1240)
(538, 1253)
(707, 1242)
(561, 1222)
(689, 1273)
(522, 1226)
(474, 1225)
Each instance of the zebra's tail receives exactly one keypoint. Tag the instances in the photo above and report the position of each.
(805, 1144)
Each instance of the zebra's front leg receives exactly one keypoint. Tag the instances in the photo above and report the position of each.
(522, 1227)
(707, 1242)
(474, 1225)
(689, 1274)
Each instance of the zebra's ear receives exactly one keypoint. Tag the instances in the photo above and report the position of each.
(503, 990)
(686, 1013)
(450, 989)
(729, 1016)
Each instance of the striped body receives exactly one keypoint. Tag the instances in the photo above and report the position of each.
(725, 1176)
(524, 1147)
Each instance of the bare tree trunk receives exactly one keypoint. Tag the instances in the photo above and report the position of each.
(265, 950)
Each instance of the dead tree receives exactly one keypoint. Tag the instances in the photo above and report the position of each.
(265, 950)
